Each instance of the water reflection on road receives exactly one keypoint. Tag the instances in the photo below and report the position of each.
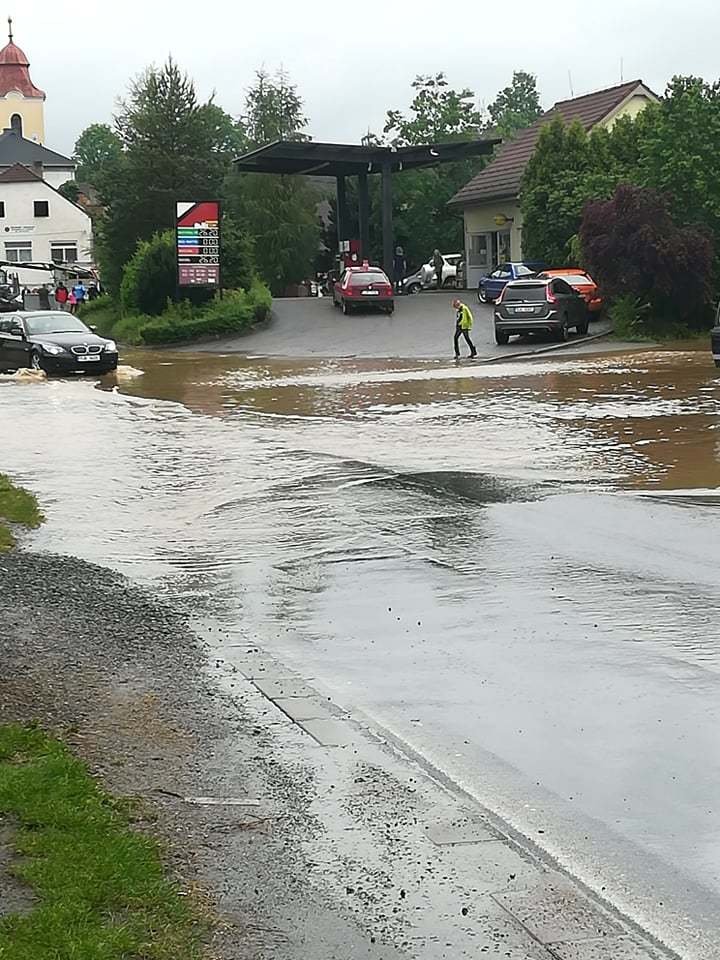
(469, 555)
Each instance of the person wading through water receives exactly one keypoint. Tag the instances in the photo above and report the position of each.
(463, 325)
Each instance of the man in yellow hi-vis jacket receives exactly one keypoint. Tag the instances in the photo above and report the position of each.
(463, 325)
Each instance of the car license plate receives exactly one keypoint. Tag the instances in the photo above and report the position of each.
(524, 309)
(371, 293)
(88, 359)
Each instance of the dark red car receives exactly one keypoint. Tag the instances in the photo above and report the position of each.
(363, 286)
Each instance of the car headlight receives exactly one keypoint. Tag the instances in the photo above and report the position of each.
(52, 348)
(110, 346)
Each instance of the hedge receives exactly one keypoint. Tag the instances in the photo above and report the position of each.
(234, 312)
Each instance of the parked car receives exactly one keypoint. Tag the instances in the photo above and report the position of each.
(546, 306)
(55, 342)
(363, 286)
(715, 338)
(582, 282)
(491, 286)
(426, 276)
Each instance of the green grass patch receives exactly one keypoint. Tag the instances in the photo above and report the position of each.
(16, 506)
(101, 887)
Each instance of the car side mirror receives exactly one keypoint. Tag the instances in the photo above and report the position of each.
(17, 331)
(93, 328)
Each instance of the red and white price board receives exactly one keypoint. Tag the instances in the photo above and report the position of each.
(198, 243)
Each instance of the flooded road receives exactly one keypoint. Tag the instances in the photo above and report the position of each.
(510, 568)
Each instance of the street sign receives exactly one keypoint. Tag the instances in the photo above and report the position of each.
(198, 244)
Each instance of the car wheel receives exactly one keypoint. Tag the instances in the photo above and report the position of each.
(389, 311)
(563, 333)
(582, 328)
(501, 337)
(482, 296)
(346, 308)
(414, 288)
(36, 361)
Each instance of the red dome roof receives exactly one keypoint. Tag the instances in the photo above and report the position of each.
(11, 53)
(14, 73)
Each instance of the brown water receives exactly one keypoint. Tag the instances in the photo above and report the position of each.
(633, 420)
(511, 566)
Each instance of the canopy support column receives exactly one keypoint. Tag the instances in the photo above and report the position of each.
(387, 218)
(364, 215)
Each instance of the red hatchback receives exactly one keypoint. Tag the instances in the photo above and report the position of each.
(363, 287)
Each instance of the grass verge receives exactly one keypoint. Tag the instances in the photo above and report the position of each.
(16, 506)
(101, 887)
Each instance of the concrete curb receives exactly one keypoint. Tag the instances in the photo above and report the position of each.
(553, 347)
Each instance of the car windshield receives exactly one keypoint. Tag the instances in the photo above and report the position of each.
(376, 277)
(576, 279)
(522, 271)
(528, 291)
(54, 322)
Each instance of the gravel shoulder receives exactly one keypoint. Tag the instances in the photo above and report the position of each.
(336, 847)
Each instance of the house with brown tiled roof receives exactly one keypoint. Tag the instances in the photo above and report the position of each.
(490, 204)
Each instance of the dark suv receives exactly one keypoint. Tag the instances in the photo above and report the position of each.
(531, 306)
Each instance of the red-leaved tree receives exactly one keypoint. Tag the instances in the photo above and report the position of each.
(633, 247)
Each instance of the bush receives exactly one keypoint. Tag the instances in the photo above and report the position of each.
(150, 276)
(627, 315)
(102, 313)
(634, 249)
(234, 312)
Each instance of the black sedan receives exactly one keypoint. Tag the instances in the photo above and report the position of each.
(539, 306)
(55, 342)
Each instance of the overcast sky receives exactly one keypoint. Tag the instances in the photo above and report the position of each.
(352, 63)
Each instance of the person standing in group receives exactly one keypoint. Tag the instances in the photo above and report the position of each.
(463, 326)
(399, 269)
(61, 296)
(438, 263)
(80, 294)
(44, 297)
(72, 301)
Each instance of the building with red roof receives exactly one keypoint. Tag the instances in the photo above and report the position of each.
(490, 201)
(22, 104)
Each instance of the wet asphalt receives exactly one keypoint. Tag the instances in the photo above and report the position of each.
(422, 326)
(509, 573)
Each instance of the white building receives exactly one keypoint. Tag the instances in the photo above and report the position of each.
(37, 224)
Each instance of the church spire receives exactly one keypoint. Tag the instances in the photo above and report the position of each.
(10, 33)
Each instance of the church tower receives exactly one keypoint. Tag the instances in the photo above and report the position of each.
(22, 104)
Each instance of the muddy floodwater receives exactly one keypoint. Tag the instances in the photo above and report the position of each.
(511, 567)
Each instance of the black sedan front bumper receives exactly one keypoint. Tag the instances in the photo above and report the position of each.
(69, 363)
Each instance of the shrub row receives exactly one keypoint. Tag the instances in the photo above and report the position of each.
(234, 312)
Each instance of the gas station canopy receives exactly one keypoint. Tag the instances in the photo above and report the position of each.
(340, 160)
(349, 159)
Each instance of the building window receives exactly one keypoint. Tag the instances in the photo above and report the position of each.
(63, 252)
(42, 208)
(2, 208)
(16, 124)
(18, 251)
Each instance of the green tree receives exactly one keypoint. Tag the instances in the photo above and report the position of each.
(565, 171)
(437, 114)
(678, 153)
(172, 150)
(273, 110)
(516, 106)
(97, 147)
(279, 213)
